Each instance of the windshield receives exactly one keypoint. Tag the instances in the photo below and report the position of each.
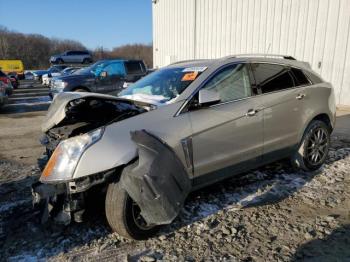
(93, 69)
(162, 86)
(53, 69)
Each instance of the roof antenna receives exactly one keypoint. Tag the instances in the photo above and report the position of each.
(268, 49)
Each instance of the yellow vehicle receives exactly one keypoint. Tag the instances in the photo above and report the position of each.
(8, 66)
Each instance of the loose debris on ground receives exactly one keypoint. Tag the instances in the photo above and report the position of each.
(269, 214)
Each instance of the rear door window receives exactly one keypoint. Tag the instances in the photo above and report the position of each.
(81, 53)
(271, 78)
(300, 77)
(133, 67)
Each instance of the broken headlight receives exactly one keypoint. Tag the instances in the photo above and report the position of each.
(65, 158)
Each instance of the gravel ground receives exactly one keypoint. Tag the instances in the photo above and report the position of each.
(269, 214)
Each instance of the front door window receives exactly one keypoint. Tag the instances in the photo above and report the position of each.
(232, 83)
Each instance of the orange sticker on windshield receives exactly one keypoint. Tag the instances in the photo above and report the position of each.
(189, 76)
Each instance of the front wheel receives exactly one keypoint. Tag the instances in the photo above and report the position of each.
(80, 90)
(124, 215)
(313, 149)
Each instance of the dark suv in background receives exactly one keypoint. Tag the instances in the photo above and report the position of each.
(80, 57)
(105, 76)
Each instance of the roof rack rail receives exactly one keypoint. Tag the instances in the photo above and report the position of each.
(262, 55)
(187, 61)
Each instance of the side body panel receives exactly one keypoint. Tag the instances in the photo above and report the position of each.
(284, 117)
(319, 99)
(224, 136)
(66, 58)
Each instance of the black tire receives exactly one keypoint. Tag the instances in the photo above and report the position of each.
(121, 211)
(313, 148)
(60, 61)
(86, 61)
(81, 90)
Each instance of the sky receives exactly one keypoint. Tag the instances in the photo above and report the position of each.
(95, 23)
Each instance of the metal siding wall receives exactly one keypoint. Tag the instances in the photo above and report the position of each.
(316, 31)
(173, 31)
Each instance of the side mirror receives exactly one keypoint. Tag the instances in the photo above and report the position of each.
(103, 74)
(208, 97)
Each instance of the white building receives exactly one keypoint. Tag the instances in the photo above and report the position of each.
(316, 31)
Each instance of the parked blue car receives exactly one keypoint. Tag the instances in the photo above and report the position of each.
(105, 76)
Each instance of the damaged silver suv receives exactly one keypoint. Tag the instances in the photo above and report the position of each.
(176, 130)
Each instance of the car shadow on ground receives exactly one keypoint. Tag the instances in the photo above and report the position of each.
(22, 235)
(267, 185)
(335, 247)
(264, 186)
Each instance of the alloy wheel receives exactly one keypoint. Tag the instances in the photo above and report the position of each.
(317, 146)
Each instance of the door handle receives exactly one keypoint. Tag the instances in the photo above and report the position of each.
(300, 96)
(251, 112)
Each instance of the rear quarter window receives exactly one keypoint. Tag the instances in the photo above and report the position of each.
(134, 67)
(300, 77)
(314, 78)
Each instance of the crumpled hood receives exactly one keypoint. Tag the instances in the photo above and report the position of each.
(150, 99)
(57, 110)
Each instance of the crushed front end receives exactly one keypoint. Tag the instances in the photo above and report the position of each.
(66, 201)
(74, 123)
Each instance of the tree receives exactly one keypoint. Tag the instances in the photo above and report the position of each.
(33, 49)
(135, 51)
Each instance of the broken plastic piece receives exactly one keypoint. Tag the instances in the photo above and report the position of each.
(157, 181)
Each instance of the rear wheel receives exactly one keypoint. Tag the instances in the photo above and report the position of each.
(60, 61)
(124, 215)
(313, 149)
(86, 61)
